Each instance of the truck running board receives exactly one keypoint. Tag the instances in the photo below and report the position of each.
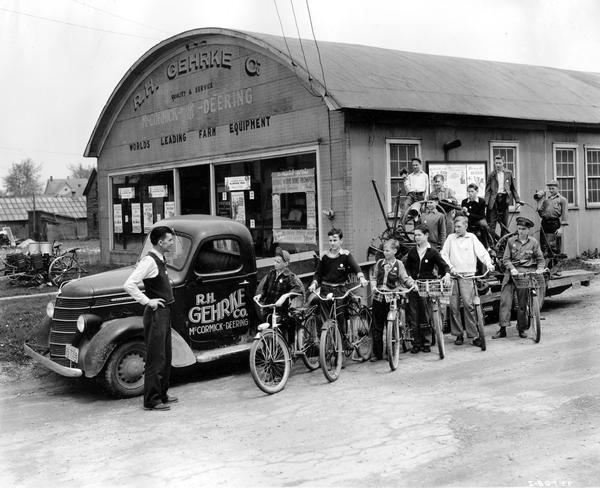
(214, 354)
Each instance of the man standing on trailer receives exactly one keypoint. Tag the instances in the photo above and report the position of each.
(521, 255)
(416, 183)
(553, 211)
(500, 193)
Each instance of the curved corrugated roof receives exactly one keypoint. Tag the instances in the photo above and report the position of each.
(365, 77)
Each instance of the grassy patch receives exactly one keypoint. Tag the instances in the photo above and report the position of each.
(18, 322)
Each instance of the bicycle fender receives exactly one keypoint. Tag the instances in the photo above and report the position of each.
(103, 343)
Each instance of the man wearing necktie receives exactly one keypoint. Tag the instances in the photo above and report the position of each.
(500, 193)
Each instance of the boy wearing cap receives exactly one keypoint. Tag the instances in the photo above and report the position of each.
(522, 254)
(553, 211)
(280, 280)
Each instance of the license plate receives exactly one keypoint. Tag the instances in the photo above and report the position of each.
(71, 353)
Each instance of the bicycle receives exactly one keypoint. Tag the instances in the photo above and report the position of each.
(397, 332)
(334, 344)
(476, 302)
(432, 290)
(65, 266)
(271, 357)
(532, 281)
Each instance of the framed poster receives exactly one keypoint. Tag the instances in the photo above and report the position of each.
(459, 174)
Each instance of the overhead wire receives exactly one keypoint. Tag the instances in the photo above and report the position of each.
(283, 34)
(300, 40)
(112, 14)
(72, 24)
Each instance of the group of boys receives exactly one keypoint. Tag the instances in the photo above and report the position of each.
(442, 248)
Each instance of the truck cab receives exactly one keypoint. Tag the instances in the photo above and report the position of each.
(94, 328)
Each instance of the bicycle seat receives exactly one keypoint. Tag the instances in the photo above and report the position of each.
(74, 249)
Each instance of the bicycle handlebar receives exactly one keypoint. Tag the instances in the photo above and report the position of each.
(279, 301)
(528, 273)
(402, 291)
(468, 276)
(330, 296)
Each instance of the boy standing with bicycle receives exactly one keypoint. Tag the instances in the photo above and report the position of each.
(461, 251)
(521, 255)
(422, 263)
(388, 274)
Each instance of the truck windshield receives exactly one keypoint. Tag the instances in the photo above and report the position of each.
(176, 258)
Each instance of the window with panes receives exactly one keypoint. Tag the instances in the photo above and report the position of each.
(592, 175)
(565, 160)
(401, 155)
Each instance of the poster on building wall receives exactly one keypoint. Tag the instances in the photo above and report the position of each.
(458, 174)
(295, 236)
(293, 181)
(117, 218)
(127, 193)
(237, 183)
(158, 191)
(311, 210)
(136, 218)
(238, 206)
(169, 209)
(148, 217)
(276, 211)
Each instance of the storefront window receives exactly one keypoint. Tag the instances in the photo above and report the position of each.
(138, 202)
(275, 198)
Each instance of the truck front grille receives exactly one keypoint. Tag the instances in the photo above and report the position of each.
(64, 326)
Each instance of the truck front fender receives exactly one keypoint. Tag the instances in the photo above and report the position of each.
(102, 344)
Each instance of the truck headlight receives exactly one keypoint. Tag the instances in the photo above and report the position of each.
(50, 309)
(81, 323)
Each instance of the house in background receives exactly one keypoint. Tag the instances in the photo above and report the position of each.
(90, 192)
(44, 218)
(69, 187)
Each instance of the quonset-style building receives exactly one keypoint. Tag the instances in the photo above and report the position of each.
(286, 137)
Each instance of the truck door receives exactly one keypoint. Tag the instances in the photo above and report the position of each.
(219, 294)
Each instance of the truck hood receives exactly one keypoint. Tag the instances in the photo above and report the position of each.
(106, 283)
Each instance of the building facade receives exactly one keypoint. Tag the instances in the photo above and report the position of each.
(287, 138)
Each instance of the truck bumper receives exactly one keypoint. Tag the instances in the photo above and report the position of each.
(51, 365)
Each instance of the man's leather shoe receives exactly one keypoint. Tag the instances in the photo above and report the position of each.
(477, 342)
(171, 399)
(374, 359)
(415, 349)
(158, 406)
(459, 340)
(500, 334)
(426, 349)
(522, 334)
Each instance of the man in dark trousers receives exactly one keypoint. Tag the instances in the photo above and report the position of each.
(553, 211)
(158, 301)
(500, 193)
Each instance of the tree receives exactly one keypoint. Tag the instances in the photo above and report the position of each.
(23, 179)
(79, 170)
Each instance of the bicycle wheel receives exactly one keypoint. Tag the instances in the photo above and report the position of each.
(480, 329)
(308, 342)
(331, 352)
(535, 326)
(439, 334)
(393, 343)
(64, 268)
(360, 323)
(270, 363)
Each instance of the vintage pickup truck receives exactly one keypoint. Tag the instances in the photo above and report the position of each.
(94, 329)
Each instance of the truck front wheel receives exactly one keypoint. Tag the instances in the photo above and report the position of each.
(124, 372)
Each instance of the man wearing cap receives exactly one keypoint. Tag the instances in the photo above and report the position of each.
(447, 200)
(416, 183)
(521, 255)
(435, 222)
(500, 193)
(553, 211)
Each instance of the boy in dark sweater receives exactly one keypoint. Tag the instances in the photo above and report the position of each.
(422, 263)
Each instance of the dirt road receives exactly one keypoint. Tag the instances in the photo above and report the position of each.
(519, 414)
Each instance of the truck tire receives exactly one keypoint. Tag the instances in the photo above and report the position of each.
(124, 372)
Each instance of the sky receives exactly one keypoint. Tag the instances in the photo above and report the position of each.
(61, 59)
